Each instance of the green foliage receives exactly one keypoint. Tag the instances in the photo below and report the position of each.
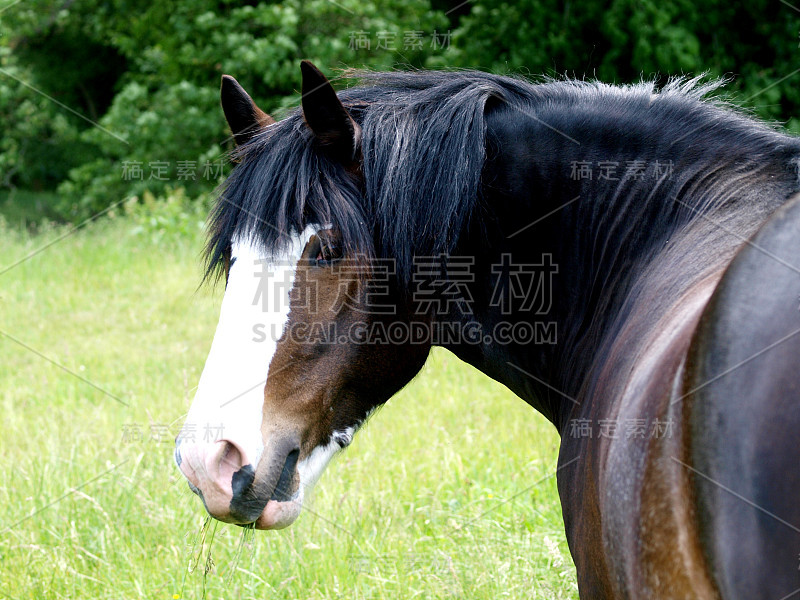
(163, 117)
(169, 218)
(26, 210)
(91, 90)
(756, 44)
(40, 145)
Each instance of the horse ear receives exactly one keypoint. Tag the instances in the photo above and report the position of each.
(242, 114)
(325, 114)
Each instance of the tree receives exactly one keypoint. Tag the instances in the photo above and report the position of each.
(102, 99)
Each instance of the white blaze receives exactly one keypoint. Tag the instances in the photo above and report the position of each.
(230, 395)
(255, 309)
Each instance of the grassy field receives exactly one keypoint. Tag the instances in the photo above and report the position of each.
(447, 493)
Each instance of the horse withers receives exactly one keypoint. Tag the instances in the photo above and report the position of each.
(625, 259)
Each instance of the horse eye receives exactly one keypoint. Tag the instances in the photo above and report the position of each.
(328, 254)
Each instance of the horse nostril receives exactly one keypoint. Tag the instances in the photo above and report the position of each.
(231, 456)
(242, 480)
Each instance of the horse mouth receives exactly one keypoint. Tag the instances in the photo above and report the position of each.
(283, 503)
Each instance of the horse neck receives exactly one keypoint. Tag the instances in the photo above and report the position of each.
(626, 254)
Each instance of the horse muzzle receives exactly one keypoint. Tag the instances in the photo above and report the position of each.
(268, 496)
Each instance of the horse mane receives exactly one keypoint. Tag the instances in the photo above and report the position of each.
(423, 143)
(424, 137)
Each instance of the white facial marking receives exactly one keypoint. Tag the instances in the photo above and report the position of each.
(230, 395)
(255, 309)
(314, 464)
(310, 469)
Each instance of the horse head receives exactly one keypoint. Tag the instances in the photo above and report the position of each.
(293, 370)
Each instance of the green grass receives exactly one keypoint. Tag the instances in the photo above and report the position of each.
(447, 493)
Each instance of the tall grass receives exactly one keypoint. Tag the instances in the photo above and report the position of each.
(447, 493)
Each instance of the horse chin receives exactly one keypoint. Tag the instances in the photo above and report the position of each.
(277, 514)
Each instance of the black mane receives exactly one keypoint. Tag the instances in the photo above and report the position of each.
(423, 142)
(424, 138)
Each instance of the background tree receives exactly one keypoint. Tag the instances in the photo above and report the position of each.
(147, 74)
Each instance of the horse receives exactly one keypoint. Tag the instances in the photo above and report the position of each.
(625, 259)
